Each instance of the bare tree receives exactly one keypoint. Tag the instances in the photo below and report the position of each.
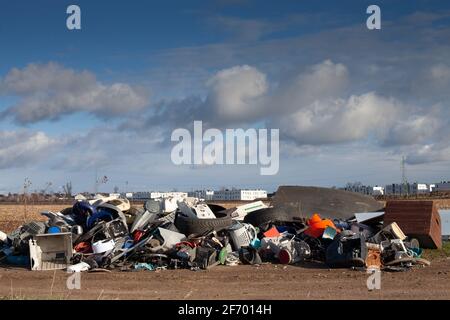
(47, 187)
(68, 190)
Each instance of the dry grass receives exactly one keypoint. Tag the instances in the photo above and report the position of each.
(12, 215)
(443, 253)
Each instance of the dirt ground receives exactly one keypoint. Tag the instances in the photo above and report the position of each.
(308, 281)
(14, 215)
(223, 282)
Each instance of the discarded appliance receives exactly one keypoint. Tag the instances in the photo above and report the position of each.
(389, 232)
(417, 219)
(50, 251)
(142, 220)
(170, 238)
(241, 211)
(200, 211)
(242, 235)
(123, 204)
(293, 251)
(19, 238)
(103, 246)
(347, 250)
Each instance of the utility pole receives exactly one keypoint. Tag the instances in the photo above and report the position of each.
(404, 179)
(26, 185)
(95, 182)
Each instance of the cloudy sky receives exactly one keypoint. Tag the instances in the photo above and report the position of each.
(349, 102)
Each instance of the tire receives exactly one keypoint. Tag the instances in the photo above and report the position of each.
(188, 225)
(215, 208)
(66, 211)
(264, 216)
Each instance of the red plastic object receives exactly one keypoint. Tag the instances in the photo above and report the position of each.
(284, 256)
(137, 235)
(271, 233)
(83, 247)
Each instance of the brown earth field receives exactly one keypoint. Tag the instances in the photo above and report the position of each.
(268, 281)
(308, 281)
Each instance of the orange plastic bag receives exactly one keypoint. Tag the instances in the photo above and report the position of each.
(317, 225)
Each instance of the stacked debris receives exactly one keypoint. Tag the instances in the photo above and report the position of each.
(107, 233)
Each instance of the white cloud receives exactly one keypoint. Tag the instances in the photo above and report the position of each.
(20, 148)
(413, 130)
(234, 92)
(310, 108)
(341, 120)
(326, 79)
(48, 91)
(428, 153)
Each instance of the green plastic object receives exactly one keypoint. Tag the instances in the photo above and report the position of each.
(223, 255)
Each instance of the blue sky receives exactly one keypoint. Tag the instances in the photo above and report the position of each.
(349, 102)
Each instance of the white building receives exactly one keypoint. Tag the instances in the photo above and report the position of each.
(202, 194)
(377, 191)
(420, 188)
(157, 195)
(240, 194)
(117, 195)
(136, 195)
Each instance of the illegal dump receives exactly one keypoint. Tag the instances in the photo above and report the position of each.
(337, 228)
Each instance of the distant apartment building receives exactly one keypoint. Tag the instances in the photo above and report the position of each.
(409, 188)
(420, 188)
(442, 186)
(115, 194)
(157, 195)
(136, 195)
(396, 189)
(240, 194)
(202, 194)
(362, 189)
(128, 195)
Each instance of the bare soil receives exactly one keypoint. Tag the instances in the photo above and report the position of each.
(224, 282)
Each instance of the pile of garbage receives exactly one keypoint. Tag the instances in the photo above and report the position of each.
(107, 233)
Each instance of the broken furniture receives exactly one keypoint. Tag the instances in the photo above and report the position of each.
(417, 219)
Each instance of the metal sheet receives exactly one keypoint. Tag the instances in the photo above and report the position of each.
(445, 222)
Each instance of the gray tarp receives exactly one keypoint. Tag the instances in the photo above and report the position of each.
(329, 203)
